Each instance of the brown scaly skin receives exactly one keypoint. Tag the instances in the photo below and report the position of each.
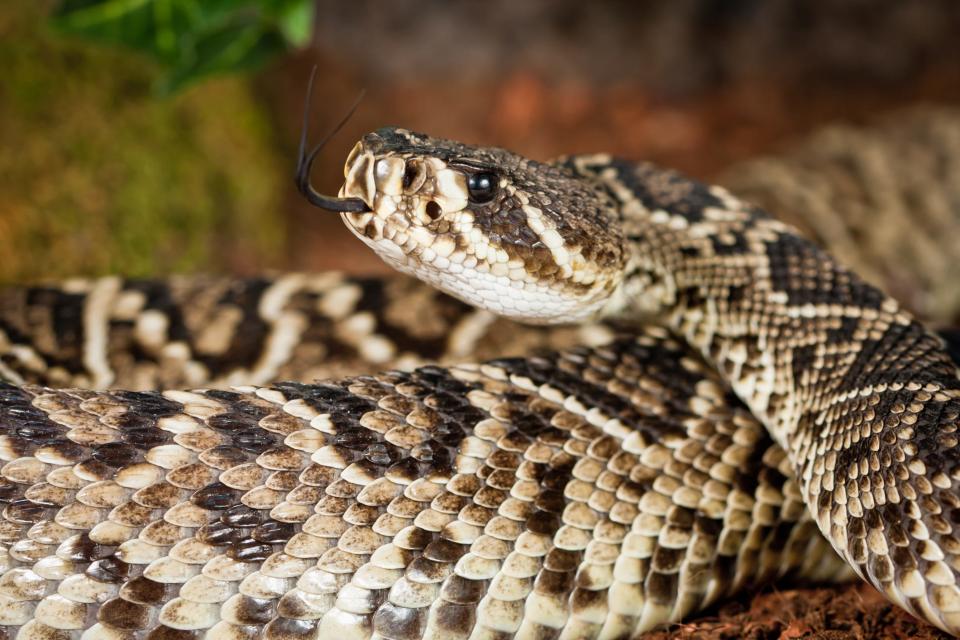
(431, 503)
(591, 494)
(862, 397)
(213, 332)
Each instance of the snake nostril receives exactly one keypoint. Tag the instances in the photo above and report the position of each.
(434, 210)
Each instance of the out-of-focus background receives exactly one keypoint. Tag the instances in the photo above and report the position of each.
(147, 137)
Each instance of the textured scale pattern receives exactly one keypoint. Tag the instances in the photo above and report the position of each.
(215, 332)
(597, 491)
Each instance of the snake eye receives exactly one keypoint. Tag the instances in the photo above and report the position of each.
(481, 187)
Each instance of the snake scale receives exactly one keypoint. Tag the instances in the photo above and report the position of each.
(762, 393)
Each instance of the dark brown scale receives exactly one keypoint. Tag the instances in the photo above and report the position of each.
(290, 629)
(554, 583)
(39, 432)
(166, 633)
(240, 515)
(355, 437)
(681, 517)
(146, 438)
(253, 611)
(24, 511)
(243, 404)
(456, 617)
(400, 623)
(109, 569)
(232, 421)
(250, 550)
(223, 457)
(667, 560)
(128, 421)
(273, 532)
(9, 491)
(218, 534)
(327, 398)
(148, 404)
(94, 468)
(543, 522)
(551, 501)
(444, 551)
(82, 549)
(562, 560)
(460, 590)
(254, 440)
(215, 497)
(662, 587)
(116, 454)
(124, 614)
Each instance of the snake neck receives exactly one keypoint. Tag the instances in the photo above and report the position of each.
(792, 331)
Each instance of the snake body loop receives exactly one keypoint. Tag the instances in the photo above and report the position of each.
(760, 392)
(864, 400)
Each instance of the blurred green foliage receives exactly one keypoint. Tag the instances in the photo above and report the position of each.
(192, 39)
(97, 176)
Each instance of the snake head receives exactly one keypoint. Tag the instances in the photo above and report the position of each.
(523, 239)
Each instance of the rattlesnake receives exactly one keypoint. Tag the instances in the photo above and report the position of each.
(592, 493)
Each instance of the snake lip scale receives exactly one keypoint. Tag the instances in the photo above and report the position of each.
(767, 414)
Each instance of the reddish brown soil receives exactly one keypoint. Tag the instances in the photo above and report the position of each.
(855, 612)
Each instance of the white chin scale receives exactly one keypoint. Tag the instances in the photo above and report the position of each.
(517, 300)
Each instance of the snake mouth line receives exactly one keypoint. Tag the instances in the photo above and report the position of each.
(305, 161)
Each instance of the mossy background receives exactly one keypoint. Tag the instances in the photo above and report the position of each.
(100, 175)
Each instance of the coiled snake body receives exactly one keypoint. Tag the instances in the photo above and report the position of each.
(593, 493)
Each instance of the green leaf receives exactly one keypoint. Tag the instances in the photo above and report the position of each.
(296, 22)
(151, 26)
(192, 38)
(234, 47)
